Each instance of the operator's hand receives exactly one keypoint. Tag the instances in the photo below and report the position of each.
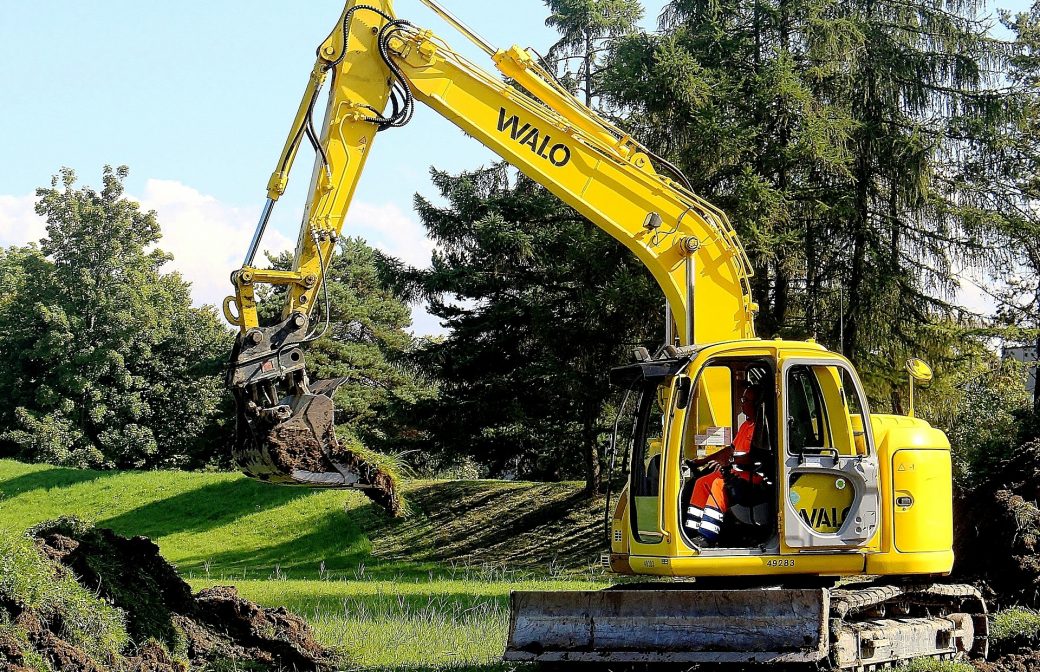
(715, 461)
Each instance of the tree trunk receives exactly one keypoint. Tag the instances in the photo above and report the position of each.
(858, 270)
(593, 472)
(588, 69)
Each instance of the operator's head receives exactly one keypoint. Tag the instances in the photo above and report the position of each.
(747, 401)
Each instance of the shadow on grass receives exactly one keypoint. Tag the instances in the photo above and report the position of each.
(335, 540)
(202, 509)
(56, 477)
(529, 526)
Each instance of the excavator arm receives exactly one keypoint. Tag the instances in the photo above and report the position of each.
(374, 60)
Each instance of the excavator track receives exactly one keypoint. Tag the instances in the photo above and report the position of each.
(859, 628)
(874, 627)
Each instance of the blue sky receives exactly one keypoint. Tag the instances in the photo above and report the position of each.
(196, 98)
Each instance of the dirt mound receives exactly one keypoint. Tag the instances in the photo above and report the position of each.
(172, 628)
(1023, 661)
(997, 531)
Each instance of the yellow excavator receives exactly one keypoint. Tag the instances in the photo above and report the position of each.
(822, 531)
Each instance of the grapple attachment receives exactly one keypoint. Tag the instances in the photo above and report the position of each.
(286, 426)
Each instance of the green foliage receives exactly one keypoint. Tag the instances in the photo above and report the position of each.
(28, 582)
(980, 405)
(829, 132)
(584, 27)
(1015, 627)
(103, 361)
(929, 665)
(540, 304)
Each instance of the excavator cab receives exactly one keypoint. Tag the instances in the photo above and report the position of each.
(807, 477)
(709, 405)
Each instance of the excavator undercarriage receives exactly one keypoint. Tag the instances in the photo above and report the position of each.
(856, 627)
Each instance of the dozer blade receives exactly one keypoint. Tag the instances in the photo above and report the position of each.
(291, 439)
(669, 626)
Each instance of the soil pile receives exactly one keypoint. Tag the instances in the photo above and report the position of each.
(307, 442)
(997, 531)
(170, 629)
(1025, 661)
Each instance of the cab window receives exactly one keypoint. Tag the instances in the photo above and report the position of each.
(824, 410)
(647, 463)
(807, 425)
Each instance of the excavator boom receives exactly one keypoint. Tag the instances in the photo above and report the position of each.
(373, 60)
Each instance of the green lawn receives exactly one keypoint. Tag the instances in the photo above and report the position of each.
(426, 592)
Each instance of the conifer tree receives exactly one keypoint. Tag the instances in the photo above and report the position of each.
(586, 28)
(540, 304)
(831, 133)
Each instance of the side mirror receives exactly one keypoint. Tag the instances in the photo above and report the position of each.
(921, 373)
(683, 390)
(919, 370)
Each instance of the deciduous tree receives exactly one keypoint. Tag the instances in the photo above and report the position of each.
(103, 360)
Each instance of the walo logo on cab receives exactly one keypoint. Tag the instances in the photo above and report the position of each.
(541, 144)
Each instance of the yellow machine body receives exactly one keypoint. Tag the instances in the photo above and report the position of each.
(909, 477)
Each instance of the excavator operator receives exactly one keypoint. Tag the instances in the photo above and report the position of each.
(709, 502)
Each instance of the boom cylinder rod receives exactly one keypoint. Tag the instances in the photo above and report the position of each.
(669, 337)
(691, 279)
(470, 34)
(259, 233)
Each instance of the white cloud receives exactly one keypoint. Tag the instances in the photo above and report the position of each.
(207, 238)
(19, 223)
(386, 227)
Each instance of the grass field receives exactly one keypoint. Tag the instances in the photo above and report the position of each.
(427, 592)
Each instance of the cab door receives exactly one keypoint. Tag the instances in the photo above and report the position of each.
(830, 480)
(648, 457)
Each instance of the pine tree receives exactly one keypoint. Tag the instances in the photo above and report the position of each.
(920, 88)
(725, 93)
(831, 133)
(540, 304)
(1003, 179)
(586, 28)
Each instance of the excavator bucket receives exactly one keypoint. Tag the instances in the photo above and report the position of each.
(669, 626)
(290, 439)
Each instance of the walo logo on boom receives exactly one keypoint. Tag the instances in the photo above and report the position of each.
(557, 154)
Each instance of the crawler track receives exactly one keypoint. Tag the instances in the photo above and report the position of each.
(875, 627)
